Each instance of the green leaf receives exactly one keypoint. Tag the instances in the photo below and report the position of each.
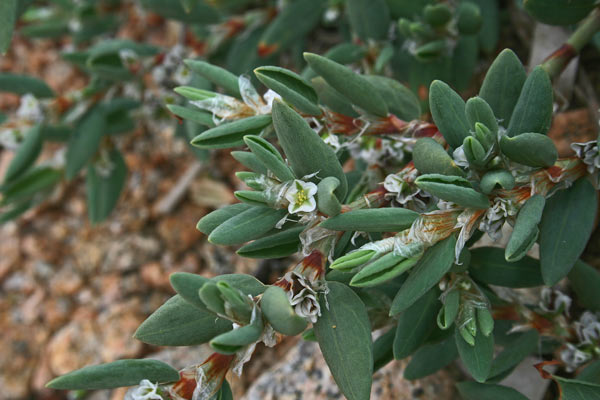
(400, 100)
(115, 374)
(383, 269)
(478, 110)
(190, 114)
(531, 149)
(84, 143)
(372, 220)
(448, 112)
(327, 202)
(521, 346)
(250, 161)
(431, 358)
(292, 87)
(591, 373)
(187, 286)
(217, 75)
(305, 150)
(349, 84)
(103, 188)
(276, 307)
(269, 157)
(415, 324)
(526, 230)
(383, 349)
(479, 391)
(211, 221)
(35, 180)
(566, 226)
(431, 158)
(489, 266)
(8, 16)
(369, 19)
(436, 262)
(559, 12)
(178, 323)
(26, 154)
(333, 99)
(247, 284)
(233, 341)
(477, 358)
(453, 188)
(572, 389)
(495, 179)
(278, 245)
(502, 85)
(200, 13)
(533, 111)
(585, 281)
(468, 18)
(344, 335)
(293, 22)
(490, 29)
(248, 225)
(231, 134)
(23, 84)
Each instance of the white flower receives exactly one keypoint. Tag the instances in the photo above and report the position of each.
(554, 301)
(333, 141)
(145, 391)
(30, 108)
(588, 328)
(495, 216)
(589, 153)
(573, 357)
(128, 57)
(301, 196)
(305, 301)
(459, 157)
(397, 185)
(269, 97)
(182, 75)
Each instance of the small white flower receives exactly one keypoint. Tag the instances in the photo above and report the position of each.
(589, 153)
(554, 301)
(30, 108)
(182, 75)
(269, 97)
(496, 216)
(301, 196)
(333, 141)
(459, 157)
(588, 328)
(145, 391)
(396, 185)
(128, 57)
(573, 357)
(305, 301)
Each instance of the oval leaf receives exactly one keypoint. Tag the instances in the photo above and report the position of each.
(436, 262)
(344, 335)
(115, 374)
(178, 323)
(372, 220)
(566, 226)
(248, 225)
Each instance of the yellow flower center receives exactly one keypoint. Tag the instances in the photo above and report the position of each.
(301, 196)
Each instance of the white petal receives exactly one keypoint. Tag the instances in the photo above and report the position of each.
(310, 188)
(307, 206)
